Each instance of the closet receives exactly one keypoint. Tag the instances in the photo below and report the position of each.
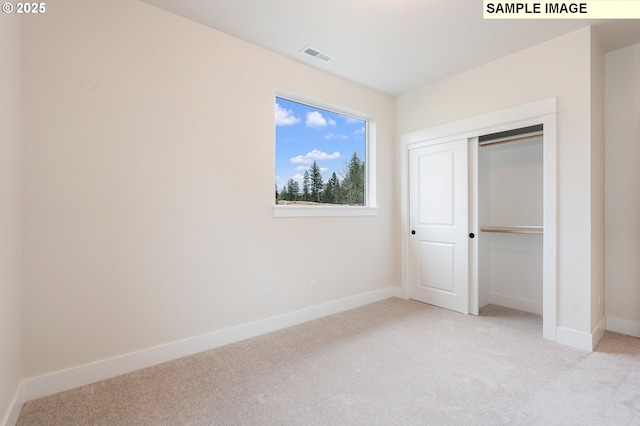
(510, 219)
(479, 213)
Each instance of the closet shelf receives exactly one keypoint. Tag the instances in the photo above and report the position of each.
(529, 230)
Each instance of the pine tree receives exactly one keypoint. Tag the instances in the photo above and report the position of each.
(306, 183)
(332, 190)
(352, 190)
(293, 190)
(317, 184)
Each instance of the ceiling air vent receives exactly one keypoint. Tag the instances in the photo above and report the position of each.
(315, 53)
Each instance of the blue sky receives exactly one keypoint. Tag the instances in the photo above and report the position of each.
(305, 133)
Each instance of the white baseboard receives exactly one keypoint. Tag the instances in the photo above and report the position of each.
(524, 305)
(15, 406)
(574, 338)
(622, 326)
(59, 381)
(579, 339)
(598, 332)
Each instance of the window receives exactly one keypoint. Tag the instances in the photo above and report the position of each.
(322, 160)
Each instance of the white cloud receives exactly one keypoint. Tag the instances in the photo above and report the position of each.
(285, 117)
(315, 120)
(314, 155)
(334, 136)
(351, 120)
(360, 132)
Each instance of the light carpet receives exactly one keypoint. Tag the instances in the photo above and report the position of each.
(394, 362)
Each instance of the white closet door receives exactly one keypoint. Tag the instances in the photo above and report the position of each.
(439, 212)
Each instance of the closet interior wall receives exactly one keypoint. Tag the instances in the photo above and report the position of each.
(510, 215)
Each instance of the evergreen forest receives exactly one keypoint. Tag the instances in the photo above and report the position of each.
(350, 190)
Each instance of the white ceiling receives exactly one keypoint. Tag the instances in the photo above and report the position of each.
(390, 45)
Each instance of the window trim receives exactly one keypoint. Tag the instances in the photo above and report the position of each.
(370, 209)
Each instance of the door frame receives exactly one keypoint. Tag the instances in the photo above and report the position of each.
(539, 112)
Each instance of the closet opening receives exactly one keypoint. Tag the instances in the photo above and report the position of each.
(510, 183)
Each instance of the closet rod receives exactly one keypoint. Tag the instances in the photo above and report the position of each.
(518, 139)
(514, 231)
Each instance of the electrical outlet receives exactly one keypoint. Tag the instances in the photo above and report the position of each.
(313, 286)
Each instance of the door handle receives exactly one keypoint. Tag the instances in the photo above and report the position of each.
(472, 235)
(413, 232)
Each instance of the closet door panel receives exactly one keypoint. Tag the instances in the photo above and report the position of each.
(437, 266)
(439, 214)
(435, 179)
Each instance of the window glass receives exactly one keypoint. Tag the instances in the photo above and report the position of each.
(320, 156)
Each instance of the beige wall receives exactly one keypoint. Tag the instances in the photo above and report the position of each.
(560, 68)
(622, 190)
(10, 227)
(149, 180)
